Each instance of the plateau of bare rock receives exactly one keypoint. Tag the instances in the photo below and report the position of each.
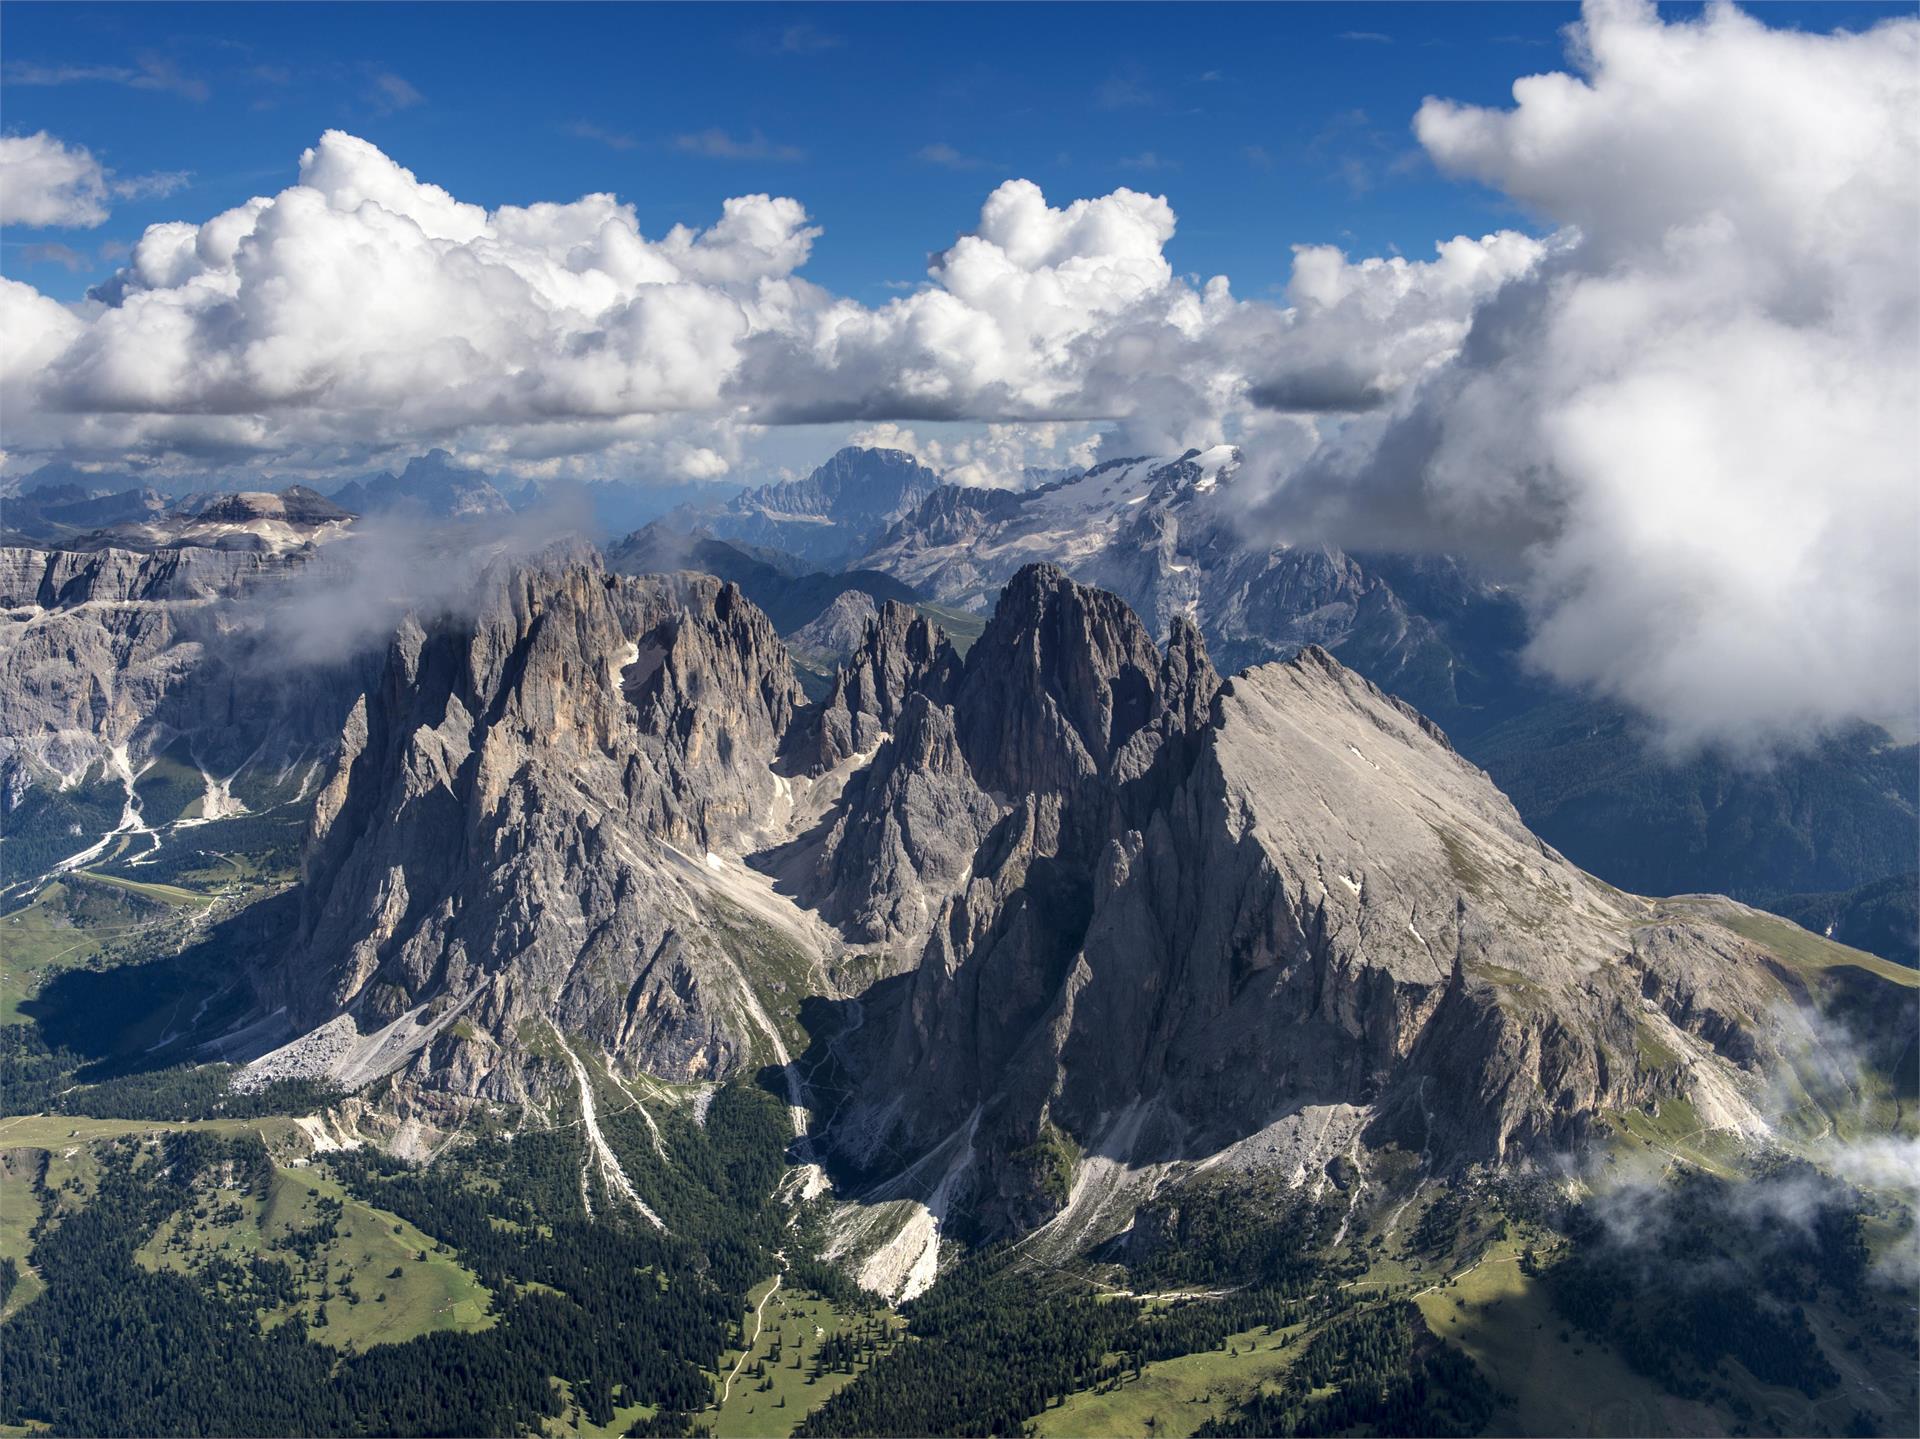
(273, 522)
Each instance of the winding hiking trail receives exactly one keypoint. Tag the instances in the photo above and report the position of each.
(753, 1341)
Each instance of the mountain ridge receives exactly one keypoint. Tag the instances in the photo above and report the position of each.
(1076, 883)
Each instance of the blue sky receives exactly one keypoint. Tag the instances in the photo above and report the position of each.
(1265, 126)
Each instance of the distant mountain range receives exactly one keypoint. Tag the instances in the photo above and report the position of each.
(829, 518)
(1164, 535)
(432, 484)
(64, 513)
(142, 520)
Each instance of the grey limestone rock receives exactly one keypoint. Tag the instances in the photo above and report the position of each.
(1311, 901)
(516, 804)
(901, 653)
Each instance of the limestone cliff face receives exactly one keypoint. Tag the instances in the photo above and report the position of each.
(51, 579)
(1062, 678)
(1333, 904)
(97, 646)
(905, 833)
(1212, 909)
(901, 653)
(517, 801)
(1064, 704)
(1118, 906)
(1064, 698)
(109, 656)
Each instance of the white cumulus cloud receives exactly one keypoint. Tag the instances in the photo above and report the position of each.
(366, 309)
(994, 457)
(1692, 425)
(44, 181)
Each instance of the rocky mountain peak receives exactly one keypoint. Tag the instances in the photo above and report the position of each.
(1187, 678)
(501, 832)
(1313, 930)
(855, 485)
(714, 662)
(901, 653)
(832, 515)
(1060, 680)
(1082, 897)
(839, 629)
(904, 834)
(1316, 659)
(872, 480)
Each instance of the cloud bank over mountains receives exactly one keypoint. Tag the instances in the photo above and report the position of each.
(365, 310)
(1682, 416)
(1693, 425)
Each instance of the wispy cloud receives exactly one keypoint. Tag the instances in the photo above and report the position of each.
(1125, 89)
(149, 72)
(149, 187)
(806, 38)
(1358, 152)
(52, 252)
(1148, 160)
(1365, 37)
(717, 144)
(388, 92)
(948, 158)
(612, 139)
(1257, 156)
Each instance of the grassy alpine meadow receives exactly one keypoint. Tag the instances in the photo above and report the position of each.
(1177, 1396)
(789, 1366)
(47, 1164)
(363, 1276)
(68, 1133)
(1555, 1382)
(81, 919)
